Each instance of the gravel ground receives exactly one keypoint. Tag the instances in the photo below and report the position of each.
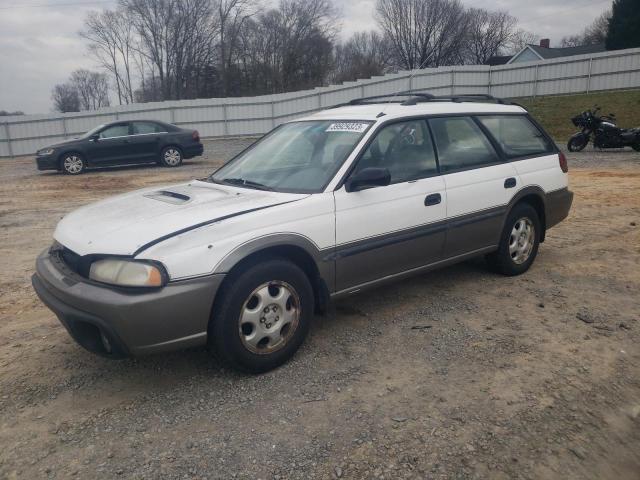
(457, 374)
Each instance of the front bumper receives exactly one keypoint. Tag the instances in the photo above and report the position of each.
(117, 323)
(47, 162)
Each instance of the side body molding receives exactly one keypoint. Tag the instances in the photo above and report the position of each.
(323, 258)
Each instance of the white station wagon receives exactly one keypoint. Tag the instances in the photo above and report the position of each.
(322, 207)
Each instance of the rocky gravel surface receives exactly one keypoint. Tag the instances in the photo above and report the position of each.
(457, 374)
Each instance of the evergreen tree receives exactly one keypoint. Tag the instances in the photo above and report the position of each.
(624, 25)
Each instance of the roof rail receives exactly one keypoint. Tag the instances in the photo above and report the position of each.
(420, 96)
(415, 97)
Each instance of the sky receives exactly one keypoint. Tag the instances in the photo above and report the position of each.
(40, 45)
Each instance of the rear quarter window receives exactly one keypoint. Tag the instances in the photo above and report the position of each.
(517, 135)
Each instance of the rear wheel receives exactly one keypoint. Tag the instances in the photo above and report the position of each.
(171, 157)
(262, 316)
(72, 164)
(577, 143)
(519, 242)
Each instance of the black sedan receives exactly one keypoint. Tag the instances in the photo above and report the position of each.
(122, 143)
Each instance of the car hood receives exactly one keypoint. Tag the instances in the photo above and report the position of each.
(127, 224)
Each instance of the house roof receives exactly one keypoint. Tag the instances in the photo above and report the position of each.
(547, 53)
(498, 60)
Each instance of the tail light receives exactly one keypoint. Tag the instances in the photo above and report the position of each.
(563, 162)
(195, 135)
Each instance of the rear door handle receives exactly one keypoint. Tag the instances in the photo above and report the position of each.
(510, 182)
(433, 199)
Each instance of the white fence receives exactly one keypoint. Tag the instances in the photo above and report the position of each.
(217, 117)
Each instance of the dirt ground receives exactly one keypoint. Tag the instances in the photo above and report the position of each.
(455, 374)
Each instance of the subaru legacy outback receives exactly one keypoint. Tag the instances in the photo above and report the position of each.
(322, 207)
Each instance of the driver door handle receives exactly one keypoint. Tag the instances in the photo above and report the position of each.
(433, 199)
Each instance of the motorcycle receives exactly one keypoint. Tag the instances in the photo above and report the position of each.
(606, 134)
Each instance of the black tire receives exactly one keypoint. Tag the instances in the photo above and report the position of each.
(228, 336)
(577, 143)
(510, 263)
(171, 157)
(72, 163)
(636, 146)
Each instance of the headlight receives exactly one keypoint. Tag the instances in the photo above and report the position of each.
(45, 151)
(127, 273)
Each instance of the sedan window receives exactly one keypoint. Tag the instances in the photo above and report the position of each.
(121, 130)
(141, 128)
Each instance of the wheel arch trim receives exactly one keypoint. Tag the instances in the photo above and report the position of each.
(321, 258)
(529, 191)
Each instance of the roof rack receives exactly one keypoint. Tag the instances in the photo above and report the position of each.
(420, 96)
(415, 97)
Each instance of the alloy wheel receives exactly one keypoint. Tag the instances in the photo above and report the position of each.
(73, 164)
(172, 157)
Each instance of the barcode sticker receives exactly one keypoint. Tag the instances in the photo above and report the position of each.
(347, 127)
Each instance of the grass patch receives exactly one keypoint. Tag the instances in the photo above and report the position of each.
(555, 113)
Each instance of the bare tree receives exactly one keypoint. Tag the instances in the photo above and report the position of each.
(110, 34)
(488, 34)
(592, 35)
(287, 48)
(364, 55)
(519, 40)
(92, 88)
(65, 98)
(175, 36)
(424, 33)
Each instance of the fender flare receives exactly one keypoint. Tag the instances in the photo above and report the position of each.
(321, 257)
(538, 192)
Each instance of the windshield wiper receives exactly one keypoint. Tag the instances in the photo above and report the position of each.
(246, 183)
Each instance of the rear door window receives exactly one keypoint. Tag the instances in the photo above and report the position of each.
(516, 135)
(140, 128)
(461, 144)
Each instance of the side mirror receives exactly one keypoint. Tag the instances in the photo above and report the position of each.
(368, 178)
(94, 137)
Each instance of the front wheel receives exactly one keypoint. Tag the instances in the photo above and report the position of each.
(72, 164)
(519, 242)
(577, 143)
(262, 316)
(171, 157)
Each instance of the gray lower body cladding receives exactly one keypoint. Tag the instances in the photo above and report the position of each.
(557, 205)
(118, 323)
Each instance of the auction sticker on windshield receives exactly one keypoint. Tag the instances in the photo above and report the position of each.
(348, 127)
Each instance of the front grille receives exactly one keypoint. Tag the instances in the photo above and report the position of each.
(76, 263)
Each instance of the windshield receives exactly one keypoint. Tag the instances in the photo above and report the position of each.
(299, 157)
(92, 131)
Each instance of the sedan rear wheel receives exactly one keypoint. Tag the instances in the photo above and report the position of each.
(72, 164)
(171, 157)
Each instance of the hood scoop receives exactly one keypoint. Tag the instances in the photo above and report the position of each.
(167, 196)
